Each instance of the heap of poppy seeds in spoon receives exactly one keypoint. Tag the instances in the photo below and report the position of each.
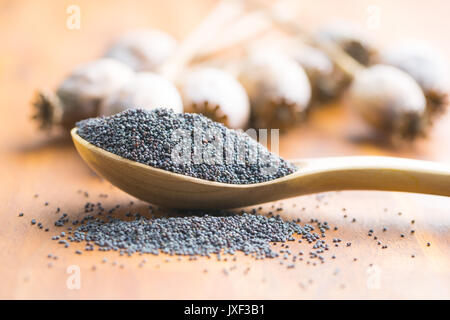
(184, 143)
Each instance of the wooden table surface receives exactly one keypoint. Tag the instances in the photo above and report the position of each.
(37, 50)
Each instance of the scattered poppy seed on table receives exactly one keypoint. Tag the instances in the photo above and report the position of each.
(182, 234)
(194, 235)
(148, 137)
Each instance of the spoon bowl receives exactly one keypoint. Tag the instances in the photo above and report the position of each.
(173, 190)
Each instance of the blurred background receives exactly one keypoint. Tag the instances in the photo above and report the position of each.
(42, 45)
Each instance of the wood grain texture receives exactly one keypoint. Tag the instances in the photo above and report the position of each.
(37, 50)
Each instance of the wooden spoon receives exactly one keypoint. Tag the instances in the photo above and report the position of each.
(173, 190)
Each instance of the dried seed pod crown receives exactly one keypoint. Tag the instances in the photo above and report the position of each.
(390, 100)
(216, 94)
(278, 88)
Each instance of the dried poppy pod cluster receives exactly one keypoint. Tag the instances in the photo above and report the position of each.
(127, 78)
(80, 95)
(111, 84)
(402, 94)
(328, 80)
(398, 91)
(279, 92)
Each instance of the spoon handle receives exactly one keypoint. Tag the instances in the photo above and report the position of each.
(372, 173)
